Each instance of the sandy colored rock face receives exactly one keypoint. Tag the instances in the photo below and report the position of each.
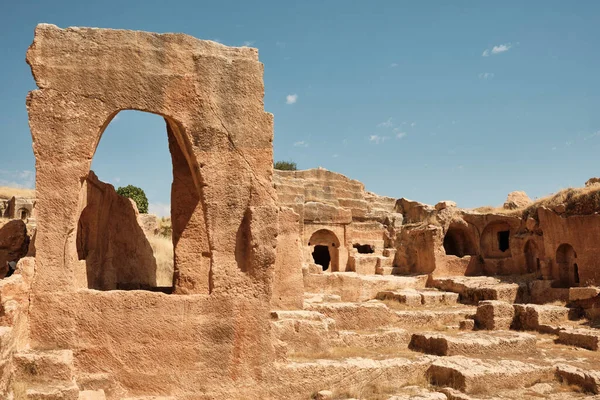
(111, 244)
(14, 242)
(516, 199)
(494, 315)
(224, 212)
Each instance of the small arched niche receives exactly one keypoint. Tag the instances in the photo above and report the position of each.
(23, 214)
(459, 241)
(495, 240)
(568, 269)
(325, 249)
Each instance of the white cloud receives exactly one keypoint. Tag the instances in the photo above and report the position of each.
(248, 43)
(400, 135)
(301, 143)
(291, 98)
(386, 124)
(413, 124)
(377, 139)
(335, 155)
(593, 135)
(501, 48)
(486, 75)
(17, 178)
(160, 209)
(393, 65)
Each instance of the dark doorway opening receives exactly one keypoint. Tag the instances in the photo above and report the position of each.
(576, 273)
(364, 248)
(503, 240)
(321, 256)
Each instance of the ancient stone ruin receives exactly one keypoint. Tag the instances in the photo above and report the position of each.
(284, 284)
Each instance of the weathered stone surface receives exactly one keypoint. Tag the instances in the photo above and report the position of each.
(433, 319)
(92, 395)
(108, 226)
(382, 338)
(149, 223)
(44, 366)
(302, 331)
(516, 199)
(466, 325)
(477, 288)
(442, 205)
(288, 285)
(14, 243)
(583, 293)
(414, 211)
(494, 315)
(369, 315)
(354, 373)
(473, 343)
(354, 287)
(586, 338)
(587, 380)
(535, 316)
(224, 211)
(472, 375)
(409, 297)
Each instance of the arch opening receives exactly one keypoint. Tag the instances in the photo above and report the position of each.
(568, 269)
(23, 214)
(325, 249)
(458, 241)
(495, 240)
(321, 256)
(124, 248)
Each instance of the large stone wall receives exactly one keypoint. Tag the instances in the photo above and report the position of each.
(225, 215)
(336, 212)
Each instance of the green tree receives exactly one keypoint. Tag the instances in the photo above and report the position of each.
(286, 166)
(136, 194)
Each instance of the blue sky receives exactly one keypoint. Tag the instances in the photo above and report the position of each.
(426, 99)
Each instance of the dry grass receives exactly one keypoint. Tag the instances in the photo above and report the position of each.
(494, 210)
(163, 253)
(164, 227)
(577, 201)
(8, 192)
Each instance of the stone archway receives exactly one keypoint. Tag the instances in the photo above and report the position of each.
(459, 241)
(495, 240)
(568, 269)
(222, 152)
(211, 97)
(324, 246)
